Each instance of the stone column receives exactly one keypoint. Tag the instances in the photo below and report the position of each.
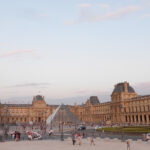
(135, 121)
(147, 118)
(139, 119)
(131, 119)
(143, 120)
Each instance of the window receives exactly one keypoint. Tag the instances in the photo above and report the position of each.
(145, 119)
(133, 118)
(137, 119)
(126, 119)
(141, 118)
(129, 119)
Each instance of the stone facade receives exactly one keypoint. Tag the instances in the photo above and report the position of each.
(125, 108)
(37, 112)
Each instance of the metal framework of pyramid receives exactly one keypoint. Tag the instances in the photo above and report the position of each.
(62, 115)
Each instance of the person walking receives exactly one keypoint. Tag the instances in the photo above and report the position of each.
(92, 141)
(73, 139)
(79, 139)
(128, 145)
(50, 132)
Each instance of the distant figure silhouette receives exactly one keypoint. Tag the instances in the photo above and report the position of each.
(128, 145)
(92, 140)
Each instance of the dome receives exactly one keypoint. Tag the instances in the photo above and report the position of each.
(39, 98)
(120, 87)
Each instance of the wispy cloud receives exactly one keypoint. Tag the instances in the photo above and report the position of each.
(85, 5)
(116, 14)
(103, 5)
(14, 53)
(146, 2)
(146, 15)
(142, 88)
(43, 15)
(31, 85)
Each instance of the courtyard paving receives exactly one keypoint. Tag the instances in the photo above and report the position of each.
(67, 145)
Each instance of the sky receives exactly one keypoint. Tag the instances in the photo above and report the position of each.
(70, 50)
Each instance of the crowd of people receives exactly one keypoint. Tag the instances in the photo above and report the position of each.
(77, 139)
(15, 135)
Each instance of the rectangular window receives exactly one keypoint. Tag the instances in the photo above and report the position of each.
(137, 119)
(133, 118)
(145, 119)
(126, 119)
(141, 118)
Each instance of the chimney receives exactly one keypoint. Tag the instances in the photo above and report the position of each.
(125, 86)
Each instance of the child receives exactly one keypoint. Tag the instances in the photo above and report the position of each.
(128, 145)
(92, 141)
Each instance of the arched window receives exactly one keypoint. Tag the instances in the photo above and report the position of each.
(126, 119)
(137, 119)
(133, 118)
(141, 118)
(145, 119)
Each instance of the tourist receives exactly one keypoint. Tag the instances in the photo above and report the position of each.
(92, 141)
(17, 136)
(83, 135)
(128, 145)
(79, 138)
(73, 139)
(29, 136)
(13, 135)
(51, 132)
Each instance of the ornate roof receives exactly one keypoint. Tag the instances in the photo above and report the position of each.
(39, 97)
(120, 87)
(94, 100)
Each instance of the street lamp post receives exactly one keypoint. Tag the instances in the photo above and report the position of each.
(51, 125)
(62, 123)
(62, 134)
(6, 126)
(122, 131)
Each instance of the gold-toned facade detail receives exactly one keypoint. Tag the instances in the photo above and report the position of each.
(37, 112)
(125, 108)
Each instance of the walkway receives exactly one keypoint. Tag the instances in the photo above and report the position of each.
(67, 145)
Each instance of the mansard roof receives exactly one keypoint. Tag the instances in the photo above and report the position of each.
(94, 100)
(39, 97)
(121, 88)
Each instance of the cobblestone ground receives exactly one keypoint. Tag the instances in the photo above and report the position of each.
(67, 145)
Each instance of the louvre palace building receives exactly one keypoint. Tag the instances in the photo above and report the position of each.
(125, 108)
(37, 112)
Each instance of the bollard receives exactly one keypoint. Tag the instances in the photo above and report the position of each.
(130, 140)
(98, 139)
(69, 139)
(139, 141)
(88, 139)
(106, 139)
(115, 139)
(148, 141)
